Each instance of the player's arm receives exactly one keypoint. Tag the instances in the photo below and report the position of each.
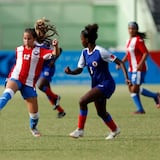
(123, 60)
(123, 67)
(142, 61)
(73, 72)
(56, 52)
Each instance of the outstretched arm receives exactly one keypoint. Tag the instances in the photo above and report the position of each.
(122, 66)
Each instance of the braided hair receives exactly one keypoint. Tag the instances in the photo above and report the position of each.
(44, 30)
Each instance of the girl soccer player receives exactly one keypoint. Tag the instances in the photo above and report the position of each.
(96, 59)
(45, 30)
(136, 55)
(25, 73)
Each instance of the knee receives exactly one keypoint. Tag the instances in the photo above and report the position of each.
(41, 87)
(82, 103)
(100, 114)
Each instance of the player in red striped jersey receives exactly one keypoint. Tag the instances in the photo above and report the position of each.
(136, 55)
(25, 73)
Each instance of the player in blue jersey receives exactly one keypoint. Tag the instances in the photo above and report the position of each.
(96, 59)
(45, 30)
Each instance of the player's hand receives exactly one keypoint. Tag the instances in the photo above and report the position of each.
(128, 82)
(67, 70)
(118, 67)
(55, 42)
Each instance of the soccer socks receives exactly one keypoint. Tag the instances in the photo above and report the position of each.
(51, 96)
(136, 99)
(6, 96)
(148, 93)
(34, 117)
(110, 123)
(82, 118)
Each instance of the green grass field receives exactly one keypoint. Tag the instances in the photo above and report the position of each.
(139, 138)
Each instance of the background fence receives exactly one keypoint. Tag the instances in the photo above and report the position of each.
(70, 58)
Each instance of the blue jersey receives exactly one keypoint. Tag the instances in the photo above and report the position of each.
(97, 64)
(48, 69)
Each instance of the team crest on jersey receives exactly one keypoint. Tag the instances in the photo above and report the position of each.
(36, 51)
(94, 63)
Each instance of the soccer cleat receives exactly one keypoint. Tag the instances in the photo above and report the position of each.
(77, 133)
(35, 132)
(139, 112)
(56, 103)
(61, 114)
(112, 135)
(157, 100)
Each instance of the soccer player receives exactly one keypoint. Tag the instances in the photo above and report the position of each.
(25, 73)
(96, 59)
(45, 30)
(136, 55)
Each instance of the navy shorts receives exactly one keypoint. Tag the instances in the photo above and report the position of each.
(47, 73)
(107, 88)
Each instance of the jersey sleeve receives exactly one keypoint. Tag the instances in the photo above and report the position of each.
(47, 53)
(142, 47)
(107, 56)
(81, 62)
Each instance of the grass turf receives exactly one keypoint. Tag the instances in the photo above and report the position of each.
(139, 138)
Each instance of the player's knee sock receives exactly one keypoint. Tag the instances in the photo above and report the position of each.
(60, 109)
(51, 96)
(148, 93)
(6, 96)
(82, 118)
(110, 123)
(136, 99)
(34, 117)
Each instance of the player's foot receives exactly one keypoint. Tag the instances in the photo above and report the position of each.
(157, 100)
(61, 114)
(112, 135)
(139, 112)
(35, 132)
(56, 103)
(77, 133)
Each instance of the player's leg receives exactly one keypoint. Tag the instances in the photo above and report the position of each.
(154, 95)
(137, 78)
(100, 105)
(44, 85)
(10, 90)
(30, 96)
(33, 114)
(90, 96)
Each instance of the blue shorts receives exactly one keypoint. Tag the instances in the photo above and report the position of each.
(47, 73)
(107, 88)
(26, 91)
(137, 77)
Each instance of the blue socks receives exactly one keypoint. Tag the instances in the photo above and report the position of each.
(6, 96)
(148, 93)
(137, 101)
(34, 117)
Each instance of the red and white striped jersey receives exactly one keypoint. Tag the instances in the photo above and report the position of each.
(135, 49)
(29, 64)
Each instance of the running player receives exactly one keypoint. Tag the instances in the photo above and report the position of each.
(96, 59)
(25, 73)
(45, 30)
(136, 56)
